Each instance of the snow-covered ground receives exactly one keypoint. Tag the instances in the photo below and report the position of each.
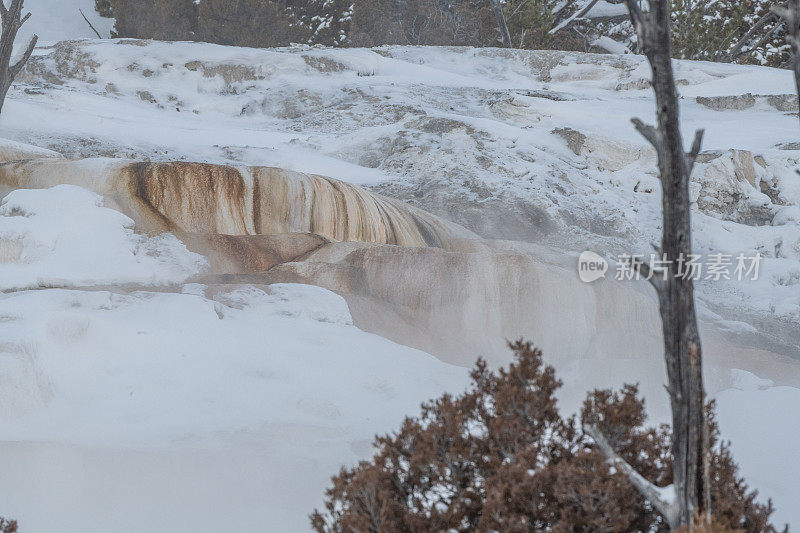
(214, 406)
(186, 407)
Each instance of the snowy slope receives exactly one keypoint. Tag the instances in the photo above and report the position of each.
(213, 407)
(65, 237)
(203, 409)
(523, 145)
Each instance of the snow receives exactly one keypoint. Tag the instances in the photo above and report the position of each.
(747, 381)
(106, 391)
(278, 381)
(607, 9)
(111, 368)
(243, 400)
(64, 237)
(57, 20)
(747, 417)
(610, 45)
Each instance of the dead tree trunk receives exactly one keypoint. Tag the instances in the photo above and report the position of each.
(675, 289)
(791, 17)
(501, 22)
(12, 21)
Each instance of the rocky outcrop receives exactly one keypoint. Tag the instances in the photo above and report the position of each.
(739, 102)
(727, 185)
(197, 198)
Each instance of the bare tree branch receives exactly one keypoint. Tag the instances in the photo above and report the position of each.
(764, 39)
(11, 23)
(738, 50)
(650, 133)
(571, 20)
(501, 22)
(638, 20)
(691, 156)
(645, 271)
(90, 25)
(16, 68)
(649, 491)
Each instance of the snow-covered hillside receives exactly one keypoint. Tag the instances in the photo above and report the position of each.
(232, 404)
(531, 146)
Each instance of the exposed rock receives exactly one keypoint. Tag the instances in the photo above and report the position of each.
(744, 168)
(783, 102)
(634, 85)
(474, 206)
(68, 60)
(789, 146)
(323, 64)
(605, 153)
(730, 189)
(231, 73)
(146, 96)
(725, 103)
(459, 305)
(770, 188)
(440, 126)
(575, 139)
(548, 95)
(442, 290)
(706, 157)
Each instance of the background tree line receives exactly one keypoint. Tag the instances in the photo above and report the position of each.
(716, 30)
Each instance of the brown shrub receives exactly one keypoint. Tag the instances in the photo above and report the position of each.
(500, 457)
(7, 526)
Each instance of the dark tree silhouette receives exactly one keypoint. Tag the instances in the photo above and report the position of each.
(675, 289)
(12, 21)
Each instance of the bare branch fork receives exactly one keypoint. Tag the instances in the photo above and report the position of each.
(652, 493)
(791, 17)
(12, 21)
(576, 16)
(682, 352)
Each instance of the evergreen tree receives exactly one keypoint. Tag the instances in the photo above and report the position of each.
(711, 29)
